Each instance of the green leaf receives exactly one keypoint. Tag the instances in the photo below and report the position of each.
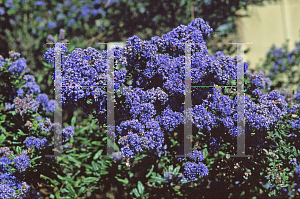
(136, 192)
(73, 121)
(156, 179)
(19, 150)
(90, 179)
(95, 166)
(147, 176)
(81, 190)
(70, 188)
(98, 154)
(141, 187)
(2, 138)
(3, 129)
(125, 181)
(21, 132)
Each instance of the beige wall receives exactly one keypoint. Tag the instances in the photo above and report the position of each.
(272, 23)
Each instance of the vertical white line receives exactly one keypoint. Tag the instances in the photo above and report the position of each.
(110, 100)
(240, 103)
(58, 110)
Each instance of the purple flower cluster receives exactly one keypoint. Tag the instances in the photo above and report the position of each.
(297, 96)
(22, 162)
(37, 142)
(260, 81)
(169, 119)
(193, 170)
(193, 167)
(295, 124)
(68, 132)
(10, 183)
(17, 67)
(23, 105)
(151, 139)
(297, 170)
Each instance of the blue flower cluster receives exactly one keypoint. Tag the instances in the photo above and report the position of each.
(50, 53)
(30, 86)
(133, 143)
(260, 81)
(37, 142)
(193, 167)
(297, 96)
(152, 103)
(17, 67)
(14, 168)
(23, 105)
(169, 119)
(10, 183)
(297, 170)
(22, 162)
(68, 132)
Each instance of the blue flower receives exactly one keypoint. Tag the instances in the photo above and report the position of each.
(17, 67)
(94, 12)
(32, 88)
(256, 92)
(51, 106)
(85, 10)
(59, 7)
(22, 162)
(51, 24)
(68, 132)
(293, 161)
(20, 92)
(43, 100)
(40, 3)
(6, 191)
(9, 4)
(72, 21)
(2, 12)
(30, 142)
(193, 170)
(297, 96)
(46, 125)
(297, 170)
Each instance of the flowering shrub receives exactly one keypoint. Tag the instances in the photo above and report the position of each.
(22, 154)
(150, 112)
(149, 93)
(282, 67)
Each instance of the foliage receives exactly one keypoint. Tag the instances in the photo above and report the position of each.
(282, 67)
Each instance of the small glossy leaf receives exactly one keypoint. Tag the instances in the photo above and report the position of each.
(71, 189)
(136, 192)
(141, 187)
(125, 181)
(147, 176)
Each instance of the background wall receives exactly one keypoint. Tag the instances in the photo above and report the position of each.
(267, 25)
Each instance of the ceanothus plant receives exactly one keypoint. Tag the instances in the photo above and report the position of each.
(149, 93)
(25, 135)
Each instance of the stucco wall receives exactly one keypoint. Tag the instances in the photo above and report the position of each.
(267, 25)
